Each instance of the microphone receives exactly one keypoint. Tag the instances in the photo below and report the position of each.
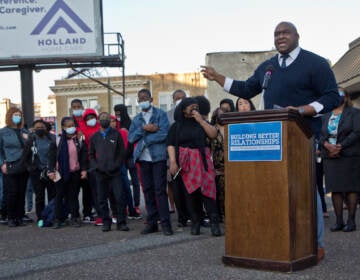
(267, 77)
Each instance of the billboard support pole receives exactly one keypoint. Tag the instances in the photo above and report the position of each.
(27, 93)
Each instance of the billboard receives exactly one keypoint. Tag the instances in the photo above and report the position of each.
(50, 29)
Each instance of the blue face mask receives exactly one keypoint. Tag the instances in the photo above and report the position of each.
(144, 105)
(16, 119)
(91, 122)
(77, 113)
(70, 130)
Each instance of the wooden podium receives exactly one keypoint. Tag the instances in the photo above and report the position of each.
(271, 220)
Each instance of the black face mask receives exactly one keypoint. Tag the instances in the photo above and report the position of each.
(105, 123)
(40, 132)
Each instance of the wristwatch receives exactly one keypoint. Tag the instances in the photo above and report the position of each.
(301, 110)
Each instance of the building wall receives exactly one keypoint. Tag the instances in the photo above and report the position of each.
(236, 65)
(101, 99)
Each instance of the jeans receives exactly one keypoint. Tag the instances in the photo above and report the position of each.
(39, 187)
(154, 179)
(135, 185)
(29, 195)
(1, 189)
(320, 222)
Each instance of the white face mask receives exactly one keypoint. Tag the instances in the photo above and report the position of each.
(145, 105)
(177, 102)
(118, 118)
(77, 113)
(91, 122)
(70, 130)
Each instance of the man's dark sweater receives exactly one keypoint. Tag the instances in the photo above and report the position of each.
(309, 78)
(107, 154)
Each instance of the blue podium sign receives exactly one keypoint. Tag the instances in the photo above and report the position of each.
(255, 141)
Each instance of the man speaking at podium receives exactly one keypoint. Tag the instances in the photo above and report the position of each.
(294, 78)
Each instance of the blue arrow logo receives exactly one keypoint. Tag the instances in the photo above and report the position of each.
(60, 22)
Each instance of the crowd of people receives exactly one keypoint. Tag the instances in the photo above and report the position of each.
(96, 153)
(178, 156)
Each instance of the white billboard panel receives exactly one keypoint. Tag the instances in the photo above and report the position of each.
(50, 28)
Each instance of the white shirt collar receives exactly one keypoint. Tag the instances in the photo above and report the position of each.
(292, 56)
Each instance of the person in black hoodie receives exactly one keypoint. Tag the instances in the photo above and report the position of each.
(107, 153)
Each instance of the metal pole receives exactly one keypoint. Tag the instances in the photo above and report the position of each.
(27, 93)
(109, 96)
(123, 67)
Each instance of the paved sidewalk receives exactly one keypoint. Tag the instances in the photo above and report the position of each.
(87, 253)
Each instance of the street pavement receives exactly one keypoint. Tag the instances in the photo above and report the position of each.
(87, 253)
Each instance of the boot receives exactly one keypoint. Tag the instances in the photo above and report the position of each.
(195, 228)
(214, 225)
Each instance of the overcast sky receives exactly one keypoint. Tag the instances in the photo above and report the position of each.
(175, 35)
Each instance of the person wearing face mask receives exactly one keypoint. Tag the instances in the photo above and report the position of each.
(36, 152)
(15, 175)
(149, 130)
(107, 153)
(89, 128)
(191, 164)
(70, 159)
(340, 150)
(123, 121)
(77, 110)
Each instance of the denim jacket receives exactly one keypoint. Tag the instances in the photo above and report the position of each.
(10, 147)
(154, 141)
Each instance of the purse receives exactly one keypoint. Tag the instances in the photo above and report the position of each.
(16, 167)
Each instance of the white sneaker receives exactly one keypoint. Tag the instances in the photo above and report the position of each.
(114, 220)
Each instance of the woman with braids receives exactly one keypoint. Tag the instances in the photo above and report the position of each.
(15, 175)
(70, 159)
(191, 164)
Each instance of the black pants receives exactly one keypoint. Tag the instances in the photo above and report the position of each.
(180, 200)
(39, 188)
(69, 191)
(86, 197)
(93, 187)
(195, 202)
(14, 194)
(105, 183)
(154, 179)
(135, 185)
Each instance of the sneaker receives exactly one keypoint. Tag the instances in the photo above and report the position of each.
(150, 229)
(106, 227)
(3, 221)
(76, 222)
(137, 210)
(99, 222)
(58, 224)
(12, 223)
(27, 219)
(88, 219)
(122, 227)
(134, 216)
(114, 220)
